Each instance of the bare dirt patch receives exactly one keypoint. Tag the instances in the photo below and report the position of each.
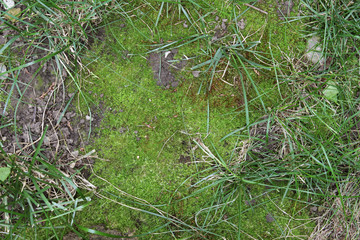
(40, 100)
(163, 66)
(284, 9)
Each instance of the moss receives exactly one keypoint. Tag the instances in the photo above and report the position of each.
(147, 131)
(268, 215)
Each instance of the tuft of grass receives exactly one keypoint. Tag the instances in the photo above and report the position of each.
(38, 200)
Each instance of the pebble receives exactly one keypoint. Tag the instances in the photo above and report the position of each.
(88, 118)
(313, 209)
(314, 51)
(75, 154)
(196, 73)
(46, 141)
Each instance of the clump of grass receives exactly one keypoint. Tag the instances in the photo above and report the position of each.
(337, 24)
(38, 199)
(340, 215)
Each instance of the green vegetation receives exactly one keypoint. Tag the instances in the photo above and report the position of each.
(247, 138)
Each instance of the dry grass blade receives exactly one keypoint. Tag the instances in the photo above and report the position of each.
(340, 220)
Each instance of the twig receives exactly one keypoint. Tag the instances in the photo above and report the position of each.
(258, 9)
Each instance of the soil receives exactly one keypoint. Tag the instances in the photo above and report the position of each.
(265, 140)
(39, 100)
(73, 236)
(284, 9)
(184, 159)
(163, 66)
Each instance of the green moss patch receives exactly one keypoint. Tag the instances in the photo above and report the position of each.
(148, 141)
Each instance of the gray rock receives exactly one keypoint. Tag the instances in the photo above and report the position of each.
(3, 69)
(314, 51)
(313, 209)
(196, 73)
(46, 141)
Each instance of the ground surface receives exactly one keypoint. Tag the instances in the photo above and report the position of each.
(160, 98)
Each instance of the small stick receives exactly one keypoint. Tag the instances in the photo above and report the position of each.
(258, 9)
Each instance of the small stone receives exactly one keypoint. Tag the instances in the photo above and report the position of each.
(75, 154)
(185, 25)
(269, 218)
(314, 51)
(313, 209)
(3, 139)
(241, 24)
(2, 70)
(68, 115)
(72, 165)
(196, 73)
(46, 141)
(88, 118)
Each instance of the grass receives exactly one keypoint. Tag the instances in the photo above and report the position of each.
(37, 195)
(244, 151)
